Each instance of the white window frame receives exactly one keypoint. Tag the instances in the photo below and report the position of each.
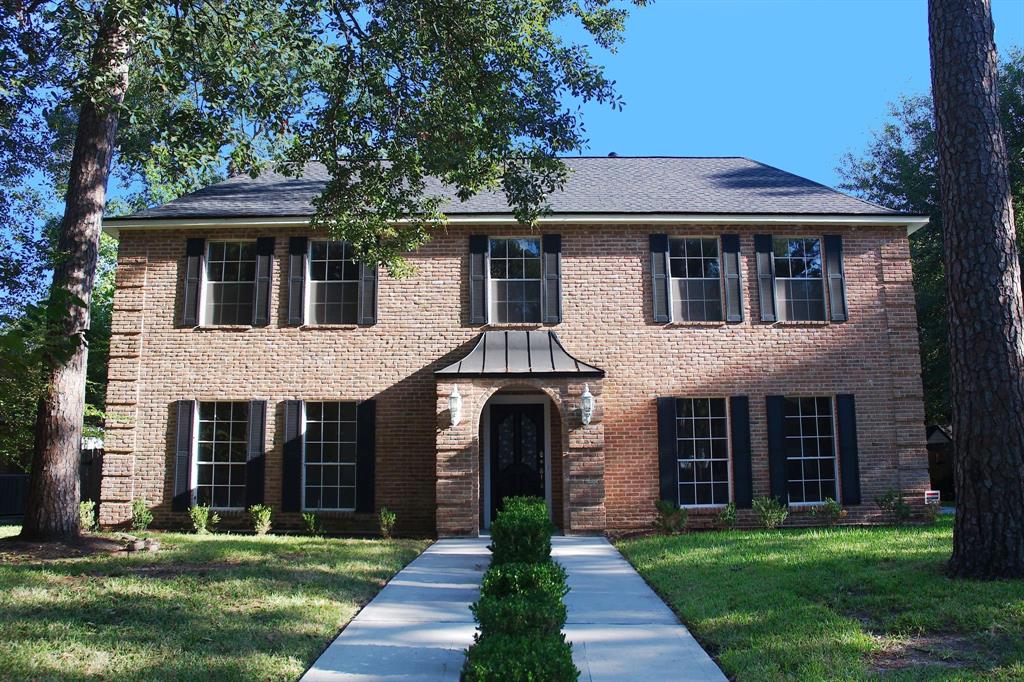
(671, 288)
(492, 299)
(302, 427)
(835, 449)
(780, 304)
(194, 469)
(728, 455)
(307, 293)
(206, 314)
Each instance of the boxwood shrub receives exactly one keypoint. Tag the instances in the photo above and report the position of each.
(536, 611)
(520, 658)
(521, 532)
(517, 578)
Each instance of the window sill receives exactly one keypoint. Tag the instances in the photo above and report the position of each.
(518, 325)
(801, 323)
(698, 323)
(223, 327)
(327, 327)
(331, 513)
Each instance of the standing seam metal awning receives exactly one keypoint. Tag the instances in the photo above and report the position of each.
(519, 353)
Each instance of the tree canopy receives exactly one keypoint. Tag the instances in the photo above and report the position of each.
(899, 169)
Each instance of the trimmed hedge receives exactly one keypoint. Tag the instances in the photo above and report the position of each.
(520, 614)
(517, 577)
(522, 532)
(510, 658)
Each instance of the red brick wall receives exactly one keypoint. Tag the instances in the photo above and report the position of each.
(422, 325)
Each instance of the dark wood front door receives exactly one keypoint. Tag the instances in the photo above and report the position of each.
(517, 453)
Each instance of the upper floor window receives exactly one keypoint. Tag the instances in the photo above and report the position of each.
(230, 282)
(333, 283)
(810, 450)
(221, 454)
(702, 451)
(696, 289)
(799, 282)
(515, 278)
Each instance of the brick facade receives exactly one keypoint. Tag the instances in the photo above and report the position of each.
(428, 472)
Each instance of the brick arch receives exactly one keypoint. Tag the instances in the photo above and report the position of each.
(504, 385)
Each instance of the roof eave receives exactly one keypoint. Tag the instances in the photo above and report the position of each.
(912, 223)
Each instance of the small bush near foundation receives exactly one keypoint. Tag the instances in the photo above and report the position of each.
(521, 532)
(771, 512)
(141, 516)
(671, 518)
(203, 518)
(726, 518)
(87, 515)
(893, 504)
(524, 658)
(387, 522)
(261, 515)
(829, 511)
(516, 578)
(536, 611)
(314, 526)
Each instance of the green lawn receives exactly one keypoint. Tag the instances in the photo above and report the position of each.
(849, 603)
(223, 607)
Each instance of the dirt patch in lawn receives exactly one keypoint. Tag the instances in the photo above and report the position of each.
(16, 550)
(169, 570)
(943, 651)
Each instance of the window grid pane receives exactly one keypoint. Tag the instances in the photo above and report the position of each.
(696, 285)
(810, 450)
(231, 282)
(515, 279)
(334, 282)
(702, 447)
(330, 456)
(221, 454)
(799, 281)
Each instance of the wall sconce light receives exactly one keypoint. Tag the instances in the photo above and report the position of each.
(587, 403)
(455, 406)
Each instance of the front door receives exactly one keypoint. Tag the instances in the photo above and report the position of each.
(517, 453)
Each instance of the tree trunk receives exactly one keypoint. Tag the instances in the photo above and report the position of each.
(53, 496)
(986, 330)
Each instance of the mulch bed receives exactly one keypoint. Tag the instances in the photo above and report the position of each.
(15, 549)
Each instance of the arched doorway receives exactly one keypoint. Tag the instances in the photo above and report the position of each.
(519, 454)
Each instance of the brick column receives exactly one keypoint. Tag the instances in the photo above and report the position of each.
(583, 462)
(118, 485)
(458, 457)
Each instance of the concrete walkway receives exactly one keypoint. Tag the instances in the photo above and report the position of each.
(418, 626)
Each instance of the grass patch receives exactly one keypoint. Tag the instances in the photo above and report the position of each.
(224, 607)
(843, 603)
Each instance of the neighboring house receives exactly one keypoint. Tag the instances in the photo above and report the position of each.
(743, 332)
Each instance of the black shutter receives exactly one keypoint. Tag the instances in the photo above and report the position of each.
(366, 455)
(255, 457)
(659, 278)
(193, 281)
(296, 280)
(668, 464)
(836, 283)
(765, 276)
(551, 282)
(849, 464)
(264, 268)
(291, 467)
(367, 294)
(183, 455)
(478, 279)
(742, 470)
(731, 270)
(775, 407)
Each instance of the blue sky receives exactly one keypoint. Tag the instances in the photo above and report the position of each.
(792, 83)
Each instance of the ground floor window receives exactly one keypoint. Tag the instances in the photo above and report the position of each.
(810, 450)
(221, 452)
(330, 456)
(702, 451)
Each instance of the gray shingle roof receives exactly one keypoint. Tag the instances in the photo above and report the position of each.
(520, 353)
(609, 185)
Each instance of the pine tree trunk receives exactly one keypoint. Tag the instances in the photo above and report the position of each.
(53, 496)
(986, 330)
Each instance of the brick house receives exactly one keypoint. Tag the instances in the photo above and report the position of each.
(702, 330)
